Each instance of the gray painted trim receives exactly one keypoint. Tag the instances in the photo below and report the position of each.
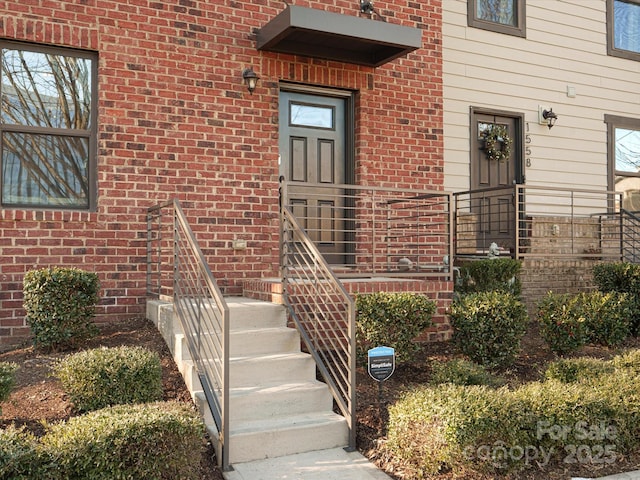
(319, 34)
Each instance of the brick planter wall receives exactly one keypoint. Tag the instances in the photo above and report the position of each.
(539, 276)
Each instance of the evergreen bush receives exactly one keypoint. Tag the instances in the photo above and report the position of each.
(497, 274)
(7, 379)
(60, 305)
(621, 277)
(488, 327)
(460, 371)
(20, 457)
(570, 321)
(586, 411)
(101, 377)
(154, 441)
(393, 320)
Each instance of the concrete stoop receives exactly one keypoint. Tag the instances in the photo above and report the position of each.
(276, 405)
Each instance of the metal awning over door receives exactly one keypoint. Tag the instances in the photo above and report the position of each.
(333, 36)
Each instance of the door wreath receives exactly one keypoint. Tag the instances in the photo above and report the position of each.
(497, 143)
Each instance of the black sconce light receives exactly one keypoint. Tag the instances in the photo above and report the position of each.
(251, 79)
(550, 117)
(366, 6)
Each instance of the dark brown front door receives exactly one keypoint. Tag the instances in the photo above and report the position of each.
(494, 205)
(313, 160)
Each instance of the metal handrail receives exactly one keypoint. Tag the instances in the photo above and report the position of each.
(323, 312)
(630, 236)
(198, 304)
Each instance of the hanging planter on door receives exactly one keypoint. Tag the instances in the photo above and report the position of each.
(497, 143)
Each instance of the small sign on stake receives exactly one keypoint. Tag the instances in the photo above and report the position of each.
(382, 363)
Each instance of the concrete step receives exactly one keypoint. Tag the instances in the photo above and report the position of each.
(269, 401)
(276, 405)
(262, 341)
(271, 369)
(286, 435)
(245, 343)
(247, 314)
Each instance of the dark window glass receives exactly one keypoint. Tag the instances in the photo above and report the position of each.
(502, 16)
(497, 11)
(624, 159)
(47, 126)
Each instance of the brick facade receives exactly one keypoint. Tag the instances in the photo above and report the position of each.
(175, 120)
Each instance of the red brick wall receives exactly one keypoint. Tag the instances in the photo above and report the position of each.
(175, 120)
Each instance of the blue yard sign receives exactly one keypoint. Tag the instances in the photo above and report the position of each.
(382, 363)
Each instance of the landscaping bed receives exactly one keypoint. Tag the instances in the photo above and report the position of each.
(38, 396)
(529, 366)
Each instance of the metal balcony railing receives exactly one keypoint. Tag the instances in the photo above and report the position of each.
(198, 304)
(368, 231)
(535, 222)
(630, 236)
(331, 232)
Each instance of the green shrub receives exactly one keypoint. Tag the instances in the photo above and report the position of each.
(462, 372)
(498, 274)
(393, 320)
(618, 277)
(607, 317)
(152, 441)
(560, 327)
(102, 377)
(488, 327)
(621, 277)
(628, 361)
(433, 430)
(7, 379)
(586, 406)
(60, 304)
(568, 321)
(571, 370)
(20, 457)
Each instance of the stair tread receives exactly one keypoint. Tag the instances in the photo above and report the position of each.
(287, 422)
(277, 329)
(268, 356)
(277, 387)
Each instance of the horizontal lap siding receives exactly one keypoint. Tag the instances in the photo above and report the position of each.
(565, 45)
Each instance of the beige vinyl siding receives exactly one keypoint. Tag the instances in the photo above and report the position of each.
(565, 47)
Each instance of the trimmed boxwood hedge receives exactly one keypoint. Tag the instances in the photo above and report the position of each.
(593, 418)
(101, 377)
(154, 441)
(393, 320)
(60, 305)
(488, 327)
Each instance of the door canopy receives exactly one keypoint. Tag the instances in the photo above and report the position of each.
(333, 36)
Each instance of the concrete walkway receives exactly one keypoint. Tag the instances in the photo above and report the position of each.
(619, 476)
(331, 464)
(334, 464)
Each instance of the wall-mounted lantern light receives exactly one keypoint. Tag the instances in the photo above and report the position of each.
(250, 79)
(547, 116)
(366, 6)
